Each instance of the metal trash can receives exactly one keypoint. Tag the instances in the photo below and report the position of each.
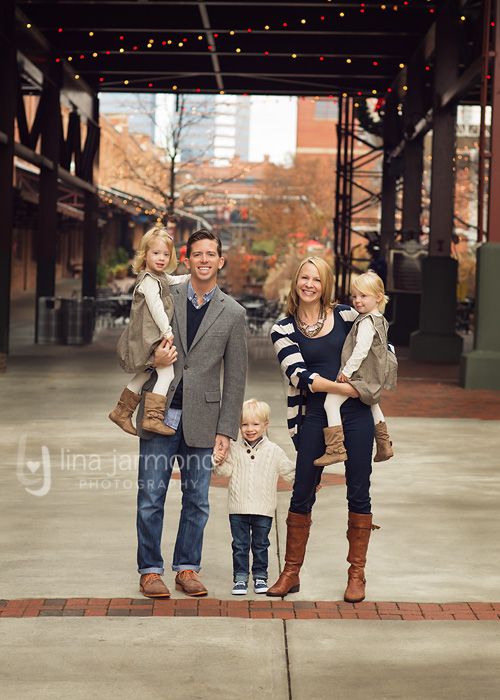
(49, 320)
(77, 320)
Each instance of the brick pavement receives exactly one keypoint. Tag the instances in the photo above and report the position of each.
(253, 609)
(432, 391)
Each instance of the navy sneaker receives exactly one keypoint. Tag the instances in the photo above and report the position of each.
(240, 588)
(260, 585)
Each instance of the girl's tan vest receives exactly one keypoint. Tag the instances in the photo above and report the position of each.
(141, 337)
(379, 368)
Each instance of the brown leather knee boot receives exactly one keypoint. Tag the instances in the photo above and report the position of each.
(297, 534)
(359, 529)
(124, 410)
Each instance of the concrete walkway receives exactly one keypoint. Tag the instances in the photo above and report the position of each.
(436, 501)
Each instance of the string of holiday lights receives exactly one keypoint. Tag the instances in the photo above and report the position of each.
(185, 41)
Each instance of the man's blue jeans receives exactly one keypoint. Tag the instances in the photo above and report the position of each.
(156, 459)
(250, 531)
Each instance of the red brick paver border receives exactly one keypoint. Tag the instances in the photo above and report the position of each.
(254, 609)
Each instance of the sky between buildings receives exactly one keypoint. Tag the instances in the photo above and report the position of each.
(269, 123)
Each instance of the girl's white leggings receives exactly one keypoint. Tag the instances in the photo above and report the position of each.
(333, 402)
(162, 384)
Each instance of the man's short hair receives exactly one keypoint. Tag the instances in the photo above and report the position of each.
(200, 235)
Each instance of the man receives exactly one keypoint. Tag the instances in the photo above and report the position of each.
(209, 331)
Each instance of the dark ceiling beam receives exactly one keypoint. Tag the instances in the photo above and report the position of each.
(375, 4)
(158, 73)
(200, 29)
(211, 41)
(470, 76)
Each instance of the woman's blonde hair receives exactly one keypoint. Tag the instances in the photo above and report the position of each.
(147, 241)
(326, 276)
(255, 409)
(370, 283)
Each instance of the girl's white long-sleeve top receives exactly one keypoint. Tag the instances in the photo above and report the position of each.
(253, 476)
(151, 290)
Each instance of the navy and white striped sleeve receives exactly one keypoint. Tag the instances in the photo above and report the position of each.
(289, 356)
(347, 313)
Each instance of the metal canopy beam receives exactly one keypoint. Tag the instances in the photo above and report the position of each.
(8, 90)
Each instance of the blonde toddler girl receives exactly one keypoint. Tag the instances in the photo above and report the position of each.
(368, 364)
(150, 315)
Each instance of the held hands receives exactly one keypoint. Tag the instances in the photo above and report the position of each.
(165, 354)
(221, 448)
(342, 378)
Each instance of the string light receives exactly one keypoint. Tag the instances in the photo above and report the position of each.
(77, 77)
(28, 26)
(91, 33)
(238, 50)
(294, 55)
(122, 50)
(401, 65)
(125, 82)
(348, 60)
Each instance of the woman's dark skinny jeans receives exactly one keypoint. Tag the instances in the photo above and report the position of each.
(358, 431)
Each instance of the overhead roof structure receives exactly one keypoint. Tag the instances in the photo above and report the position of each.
(233, 46)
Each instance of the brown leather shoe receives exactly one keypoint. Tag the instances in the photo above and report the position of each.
(124, 409)
(152, 586)
(154, 414)
(189, 582)
(334, 447)
(383, 442)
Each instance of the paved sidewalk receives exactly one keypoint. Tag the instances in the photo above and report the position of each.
(70, 553)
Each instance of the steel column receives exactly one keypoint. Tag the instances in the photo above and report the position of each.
(8, 90)
(389, 178)
(413, 154)
(90, 228)
(480, 369)
(436, 340)
(51, 131)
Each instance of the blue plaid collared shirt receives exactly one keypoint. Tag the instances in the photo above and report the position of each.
(191, 295)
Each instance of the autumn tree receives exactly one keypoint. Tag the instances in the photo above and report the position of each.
(296, 199)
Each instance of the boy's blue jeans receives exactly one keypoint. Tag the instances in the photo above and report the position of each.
(250, 532)
(156, 459)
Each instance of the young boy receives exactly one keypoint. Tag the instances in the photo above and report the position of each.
(253, 464)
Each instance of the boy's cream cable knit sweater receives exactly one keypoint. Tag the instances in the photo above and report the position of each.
(254, 473)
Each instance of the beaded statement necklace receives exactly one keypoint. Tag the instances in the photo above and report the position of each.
(312, 329)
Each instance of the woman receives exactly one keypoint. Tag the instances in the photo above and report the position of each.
(308, 343)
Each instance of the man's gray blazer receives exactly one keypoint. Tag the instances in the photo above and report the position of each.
(218, 351)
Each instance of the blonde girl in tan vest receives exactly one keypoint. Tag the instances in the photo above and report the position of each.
(368, 364)
(150, 316)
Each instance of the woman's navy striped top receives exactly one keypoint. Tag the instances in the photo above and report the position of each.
(298, 378)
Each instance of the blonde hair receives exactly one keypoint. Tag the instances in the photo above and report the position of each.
(255, 409)
(147, 241)
(326, 276)
(370, 283)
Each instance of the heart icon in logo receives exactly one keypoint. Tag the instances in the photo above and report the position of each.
(33, 466)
